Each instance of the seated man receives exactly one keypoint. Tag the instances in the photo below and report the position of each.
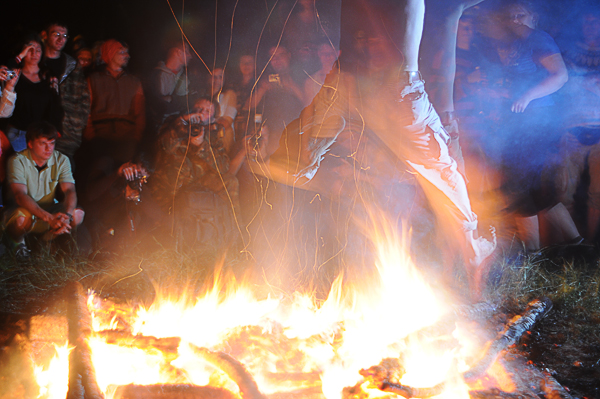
(35, 175)
(194, 178)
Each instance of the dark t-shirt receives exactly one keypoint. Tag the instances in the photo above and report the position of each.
(56, 66)
(520, 62)
(36, 102)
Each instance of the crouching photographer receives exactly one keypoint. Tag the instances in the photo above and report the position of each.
(193, 182)
(112, 195)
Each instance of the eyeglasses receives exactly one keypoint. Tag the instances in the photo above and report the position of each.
(56, 35)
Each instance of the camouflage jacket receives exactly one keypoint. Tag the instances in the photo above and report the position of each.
(76, 101)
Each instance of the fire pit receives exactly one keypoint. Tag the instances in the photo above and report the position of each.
(367, 339)
(173, 367)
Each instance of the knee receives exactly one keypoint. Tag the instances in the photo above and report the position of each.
(78, 216)
(20, 224)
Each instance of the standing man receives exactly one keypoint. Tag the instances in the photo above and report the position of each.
(227, 100)
(35, 175)
(118, 117)
(169, 85)
(72, 85)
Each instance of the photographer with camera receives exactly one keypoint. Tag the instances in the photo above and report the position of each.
(194, 180)
(38, 98)
(112, 191)
(7, 101)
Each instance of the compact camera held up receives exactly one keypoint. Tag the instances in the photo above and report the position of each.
(7, 74)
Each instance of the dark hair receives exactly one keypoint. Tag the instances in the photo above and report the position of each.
(55, 23)
(30, 37)
(526, 4)
(214, 103)
(41, 129)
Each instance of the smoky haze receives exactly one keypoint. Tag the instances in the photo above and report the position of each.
(305, 224)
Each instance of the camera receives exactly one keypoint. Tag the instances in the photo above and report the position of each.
(274, 78)
(10, 74)
(207, 130)
(133, 190)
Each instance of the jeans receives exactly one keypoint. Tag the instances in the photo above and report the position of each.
(17, 138)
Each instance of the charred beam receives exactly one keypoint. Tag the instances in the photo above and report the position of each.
(124, 338)
(412, 392)
(535, 311)
(171, 391)
(82, 376)
(234, 369)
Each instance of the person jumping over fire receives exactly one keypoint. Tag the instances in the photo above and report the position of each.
(377, 85)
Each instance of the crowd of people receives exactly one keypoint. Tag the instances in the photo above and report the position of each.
(187, 147)
(166, 148)
(527, 106)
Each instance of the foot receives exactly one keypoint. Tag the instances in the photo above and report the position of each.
(22, 253)
(483, 248)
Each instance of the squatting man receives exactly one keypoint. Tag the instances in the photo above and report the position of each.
(35, 176)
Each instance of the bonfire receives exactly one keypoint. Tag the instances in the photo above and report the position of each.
(368, 339)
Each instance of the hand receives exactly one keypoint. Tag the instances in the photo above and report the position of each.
(193, 119)
(54, 84)
(520, 105)
(131, 171)
(3, 71)
(26, 49)
(60, 223)
(11, 83)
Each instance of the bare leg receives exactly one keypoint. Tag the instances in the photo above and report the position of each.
(559, 222)
(528, 229)
(441, 44)
(17, 229)
(593, 220)
(414, 13)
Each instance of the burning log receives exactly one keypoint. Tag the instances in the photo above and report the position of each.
(124, 338)
(535, 311)
(528, 376)
(411, 392)
(234, 369)
(82, 376)
(495, 393)
(381, 376)
(174, 391)
(306, 393)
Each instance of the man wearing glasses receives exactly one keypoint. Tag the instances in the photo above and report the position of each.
(72, 87)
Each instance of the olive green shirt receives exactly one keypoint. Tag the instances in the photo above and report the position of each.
(41, 184)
